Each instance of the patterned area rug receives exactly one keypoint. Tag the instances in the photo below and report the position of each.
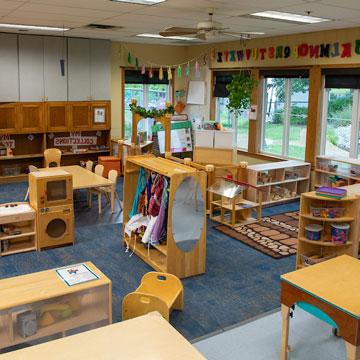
(274, 235)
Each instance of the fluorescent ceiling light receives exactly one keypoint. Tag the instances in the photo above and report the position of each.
(141, 2)
(290, 17)
(252, 32)
(32, 27)
(157, 36)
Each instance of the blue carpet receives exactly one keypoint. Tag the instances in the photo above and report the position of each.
(239, 283)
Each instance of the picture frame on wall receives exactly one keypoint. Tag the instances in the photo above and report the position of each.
(99, 115)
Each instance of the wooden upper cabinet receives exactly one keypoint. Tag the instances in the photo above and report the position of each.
(80, 116)
(31, 117)
(100, 115)
(57, 116)
(100, 69)
(78, 69)
(8, 119)
(31, 68)
(55, 81)
(9, 68)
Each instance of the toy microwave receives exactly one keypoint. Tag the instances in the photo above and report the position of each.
(49, 188)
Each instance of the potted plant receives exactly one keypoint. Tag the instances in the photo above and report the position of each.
(240, 90)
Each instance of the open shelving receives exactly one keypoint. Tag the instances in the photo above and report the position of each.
(24, 221)
(336, 171)
(279, 181)
(324, 248)
(167, 256)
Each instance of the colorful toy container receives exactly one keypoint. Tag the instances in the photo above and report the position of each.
(313, 231)
(340, 233)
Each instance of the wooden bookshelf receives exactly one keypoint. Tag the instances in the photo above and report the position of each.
(23, 218)
(34, 126)
(169, 256)
(325, 248)
(330, 168)
(280, 181)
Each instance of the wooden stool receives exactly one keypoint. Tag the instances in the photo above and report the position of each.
(158, 291)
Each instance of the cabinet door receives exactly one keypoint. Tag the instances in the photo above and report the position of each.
(80, 116)
(57, 116)
(55, 82)
(8, 119)
(9, 68)
(31, 68)
(31, 117)
(100, 115)
(79, 69)
(100, 69)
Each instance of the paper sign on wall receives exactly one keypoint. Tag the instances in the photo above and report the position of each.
(196, 93)
(253, 112)
(75, 140)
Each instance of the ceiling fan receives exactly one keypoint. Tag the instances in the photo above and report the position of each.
(205, 29)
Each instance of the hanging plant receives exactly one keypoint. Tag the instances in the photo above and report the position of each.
(152, 113)
(240, 91)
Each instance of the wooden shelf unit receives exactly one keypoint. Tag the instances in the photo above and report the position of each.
(324, 247)
(33, 127)
(166, 257)
(347, 169)
(287, 178)
(25, 221)
(90, 305)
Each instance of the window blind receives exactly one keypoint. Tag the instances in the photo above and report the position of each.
(285, 73)
(135, 77)
(222, 79)
(342, 78)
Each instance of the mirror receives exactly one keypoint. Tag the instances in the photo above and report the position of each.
(188, 214)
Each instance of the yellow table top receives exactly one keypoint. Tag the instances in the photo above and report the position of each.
(25, 289)
(335, 281)
(82, 178)
(148, 337)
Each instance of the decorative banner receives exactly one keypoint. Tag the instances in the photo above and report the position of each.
(188, 69)
(324, 50)
(151, 74)
(161, 73)
(143, 69)
(129, 58)
(169, 73)
(179, 71)
(8, 143)
(75, 140)
(136, 63)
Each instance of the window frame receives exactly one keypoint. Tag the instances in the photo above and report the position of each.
(355, 123)
(286, 125)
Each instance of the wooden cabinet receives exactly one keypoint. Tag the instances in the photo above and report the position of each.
(100, 111)
(100, 69)
(55, 82)
(8, 119)
(78, 69)
(31, 117)
(80, 116)
(31, 68)
(9, 68)
(57, 116)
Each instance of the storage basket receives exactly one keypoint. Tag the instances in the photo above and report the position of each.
(308, 260)
(330, 212)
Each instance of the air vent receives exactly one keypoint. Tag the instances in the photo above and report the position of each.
(104, 27)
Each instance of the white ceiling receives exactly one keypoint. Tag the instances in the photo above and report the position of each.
(136, 19)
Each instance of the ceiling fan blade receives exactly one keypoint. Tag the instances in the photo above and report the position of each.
(201, 36)
(178, 31)
(236, 35)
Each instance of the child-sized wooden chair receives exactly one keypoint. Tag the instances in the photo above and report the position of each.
(158, 291)
(52, 157)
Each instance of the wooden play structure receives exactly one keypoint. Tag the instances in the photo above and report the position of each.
(170, 257)
(158, 291)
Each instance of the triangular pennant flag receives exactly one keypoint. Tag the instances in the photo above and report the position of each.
(161, 73)
(169, 73)
(129, 58)
(188, 69)
(179, 71)
(143, 70)
(136, 63)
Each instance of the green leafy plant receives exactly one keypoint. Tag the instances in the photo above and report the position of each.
(240, 90)
(152, 113)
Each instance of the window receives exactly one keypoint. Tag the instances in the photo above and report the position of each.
(284, 121)
(341, 113)
(149, 93)
(240, 123)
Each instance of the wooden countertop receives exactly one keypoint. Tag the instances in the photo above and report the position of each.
(25, 289)
(148, 337)
(335, 281)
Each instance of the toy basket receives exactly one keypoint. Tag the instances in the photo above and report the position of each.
(330, 212)
(313, 259)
